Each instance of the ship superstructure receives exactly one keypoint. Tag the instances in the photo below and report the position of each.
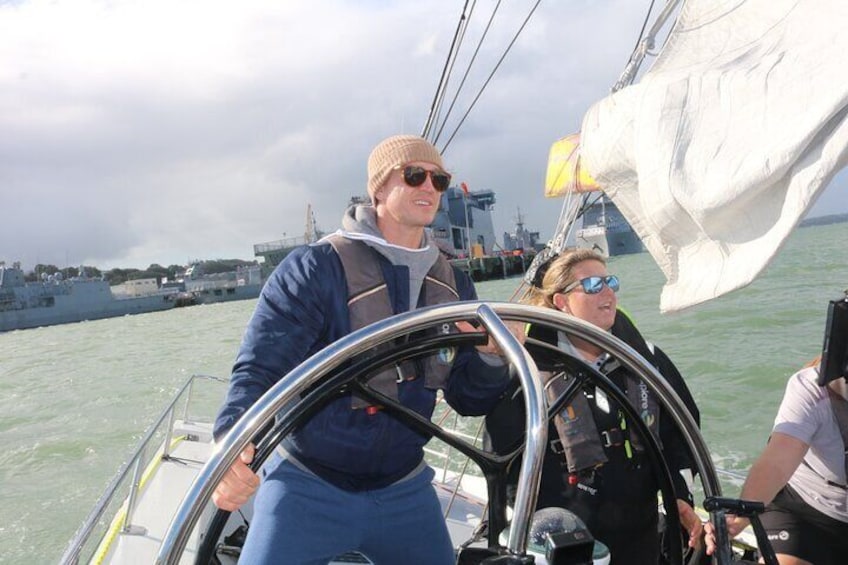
(522, 238)
(243, 283)
(463, 226)
(273, 252)
(606, 230)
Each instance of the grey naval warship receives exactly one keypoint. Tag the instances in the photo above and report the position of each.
(606, 230)
(57, 300)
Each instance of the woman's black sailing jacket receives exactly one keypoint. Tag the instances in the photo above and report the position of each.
(620, 494)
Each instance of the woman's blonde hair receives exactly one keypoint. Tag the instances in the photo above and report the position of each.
(560, 274)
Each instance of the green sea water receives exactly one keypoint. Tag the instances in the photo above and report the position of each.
(75, 399)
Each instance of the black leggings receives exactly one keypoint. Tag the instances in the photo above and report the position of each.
(795, 528)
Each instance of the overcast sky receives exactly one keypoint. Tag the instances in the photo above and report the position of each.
(158, 131)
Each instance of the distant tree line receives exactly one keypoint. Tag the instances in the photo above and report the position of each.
(119, 276)
(824, 220)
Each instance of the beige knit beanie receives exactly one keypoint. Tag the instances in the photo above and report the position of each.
(397, 151)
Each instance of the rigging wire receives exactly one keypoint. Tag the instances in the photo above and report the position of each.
(467, 70)
(575, 204)
(434, 115)
(494, 70)
(438, 114)
(642, 31)
(644, 46)
(571, 208)
(443, 79)
(661, 19)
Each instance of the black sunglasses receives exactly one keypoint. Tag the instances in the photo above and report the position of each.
(415, 176)
(594, 285)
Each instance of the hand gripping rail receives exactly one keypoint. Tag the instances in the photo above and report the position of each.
(310, 372)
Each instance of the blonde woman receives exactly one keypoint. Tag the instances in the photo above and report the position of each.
(610, 484)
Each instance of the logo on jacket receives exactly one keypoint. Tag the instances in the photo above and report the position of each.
(447, 355)
(568, 415)
(646, 415)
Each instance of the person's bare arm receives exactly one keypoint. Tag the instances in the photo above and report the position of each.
(769, 473)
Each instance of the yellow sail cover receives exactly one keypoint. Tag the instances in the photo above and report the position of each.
(565, 173)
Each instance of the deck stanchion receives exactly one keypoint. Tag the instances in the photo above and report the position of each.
(169, 434)
(189, 395)
(136, 481)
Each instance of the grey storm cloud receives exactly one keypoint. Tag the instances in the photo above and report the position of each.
(143, 132)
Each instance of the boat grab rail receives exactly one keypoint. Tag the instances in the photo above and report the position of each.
(285, 393)
(135, 462)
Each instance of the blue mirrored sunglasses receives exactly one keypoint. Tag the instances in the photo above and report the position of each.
(594, 285)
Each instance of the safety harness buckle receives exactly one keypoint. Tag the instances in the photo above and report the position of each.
(557, 447)
(612, 437)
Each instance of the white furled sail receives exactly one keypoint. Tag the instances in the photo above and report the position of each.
(716, 154)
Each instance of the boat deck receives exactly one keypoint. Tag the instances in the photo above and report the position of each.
(162, 489)
(166, 481)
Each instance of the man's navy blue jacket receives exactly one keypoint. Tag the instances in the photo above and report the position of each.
(302, 309)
